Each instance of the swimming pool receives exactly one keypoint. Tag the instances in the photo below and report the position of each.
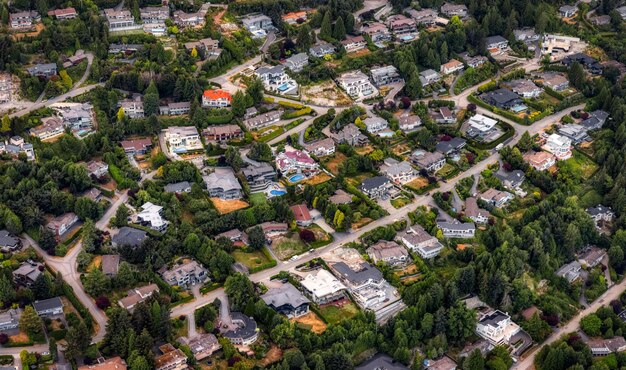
(277, 193)
(296, 177)
(283, 87)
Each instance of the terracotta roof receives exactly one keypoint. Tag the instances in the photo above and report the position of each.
(217, 94)
(301, 212)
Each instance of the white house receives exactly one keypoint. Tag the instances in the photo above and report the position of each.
(429, 76)
(276, 80)
(457, 229)
(558, 145)
(418, 240)
(398, 172)
(216, 98)
(452, 66)
(356, 84)
(323, 287)
(497, 327)
(385, 75)
(151, 216)
(496, 197)
(182, 139)
(375, 124)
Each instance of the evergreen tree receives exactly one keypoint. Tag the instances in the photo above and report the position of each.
(326, 30)
(30, 322)
(304, 38)
(6, 125)
(350, 22)
(339, 32)
(238, 104)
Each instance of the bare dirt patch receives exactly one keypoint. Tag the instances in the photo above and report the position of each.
(20, 337)
(359, 53)
(94, 264)
(364, 150)
(362, 222)
(318, 179)
(401, 148)
(227, 206)
(273, 355)
(334, 162)
(33, 33)
(326, 94)
(417, 183)
(311, 320)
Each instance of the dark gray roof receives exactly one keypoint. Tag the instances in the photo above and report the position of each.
(47, 304)
(495, 39)
(598, 210)
(515, 176)
(494, 318)
(365, 273)
(502, 96)
(374, 182)
(8, 240)
(453, 144)
(381, 362)
(177, 187)
(129, 236)
(286, 294)
(247, 330)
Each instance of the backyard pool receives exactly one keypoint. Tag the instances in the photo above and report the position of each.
(297, 177)
(277, 193)
(284, 87)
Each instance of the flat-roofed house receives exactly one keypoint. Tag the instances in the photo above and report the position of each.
(323, 287)
(497, 327)
(275, 79)
(558, 145)
(201, 345)
(182, 139)
(256, 22)
(133, 108)
(187, 273)
(418, 240)
(570, 271)
(120, 19)
(457, 229)
(151, 215)
(138, 295)
(110, 264)
(388, 252)
(171, 358)
(287, 300)
(114, 363)
(385, 75)
(223, 184)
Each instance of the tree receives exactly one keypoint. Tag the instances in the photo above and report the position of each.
(525, 142)
(255, 90)
(256, 238)
(576, 75)
(537, 328)
(121, 216)
(52, 348)
(4, 338)
(591, 325)
(47, 240)
(239, 104)
(43, 288)
(339, 32)
(6, 125)
(194, 53)
(303, 40)
(7, 293)
(260, 152)
(461, 323)
(120, 114)
(78, 339)
(240, 291)
(30, 322)
(307, 235)
(474, 361)
(233, 158)
(96, 283)
(103, 302)
(325, 29)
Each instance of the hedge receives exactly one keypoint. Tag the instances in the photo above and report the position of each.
(553, 93)
(6, 359)
(508, 133)
(472, 98)
(264, 266)
(58, 334)
(82, 310)
(289, 104)
(297, 113)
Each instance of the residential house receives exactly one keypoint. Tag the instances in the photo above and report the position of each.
(374, 125)
(255, 22)
(354, 43)
(250, 112)
(297, 62)
(216, 98)
(451, 147)
(182, 139)
(451, 66)
(183, 274)
(171, 358)
(10, 319)
(62, 224)
(475, 213)
(237, 237)
(323, 287)
(364, 281)
(409, 123)
(97, 169)
(540, 160)
(475, 61)
(259, 176)
(398, 172)
(340, 197)
(381, 362)
(377, 32)
(570, 271)
(222, 133)
(502, 98)
(497, 42)
(456, 229)
(356, 84)
(286, 300)
(600, 214)
(184, 20)
(294, 160)
(49, 307)
(450, 10)
(120, 20)
(604, 347)
(385, 75)
(110, 264)
(133, 108)
(388, 252)
(175, 109)
(27, 273)
(622, 11)
(555, 81)
(79, 117)
(46, 70)
(129, 236)
(425, 17)
(558, 145)
(497, 327)
(223, 184)
(201, 345)
(591, 256)
(63, 14)
(51, 127)
(178, 187)
(576, 133)
(263, 120)
(601, 20)
(151, 215)
(418, 240)
(16, 146)
(596, 120)
(511, 180)
(321, 148)
(302, 215)
(442, 363)
(401, 25)
(154, 14)
(276, 80)
(429, 77)
(136, 146)
(9, 242)
(568, 11)
(245, 330)
(376, 187)
(351, 135)
(431, 162)
(273, 229)
(138, 295)
(591, 64)
(23, 20)
(93, 194)
(526, 35)
(295, 17)
(443, 115)
(321, 49)
(496, 197)
(208, 48)
(114, 363)
(525, 88)
(124, 48)
(554, 45)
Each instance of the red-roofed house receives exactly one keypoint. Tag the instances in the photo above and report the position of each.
(137, 146)
(216, 98)
(61, 14)
(293, 160)
(302, 215)
(292, 18)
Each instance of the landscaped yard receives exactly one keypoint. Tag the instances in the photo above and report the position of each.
(227, 206)
(287, 247)
(579, 165)
(250, 259)
(258, 198)
(400, 202)
(417, 183)
(334, 314)
(318, 179)
(448, 171)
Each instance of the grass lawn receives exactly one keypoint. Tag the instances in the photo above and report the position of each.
(180, 327)
(400, 202)
(448, 171)
(417, 183)
(579, 164)
(250, 259)
(322, 238)
(285, 247)
(334, 314)
(258, 198)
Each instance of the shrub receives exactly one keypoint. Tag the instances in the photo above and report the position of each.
(103, 303)
(4, 339)
(307, 236)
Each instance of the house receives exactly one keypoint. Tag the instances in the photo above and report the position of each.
(401, 25)
(526, 35)
(51, 127)
(476, 214)
(600, 214)
(6, 87)
(497, 42)
(286, 300)
(398, 172)
(525, 88)
(115, 363)
(294, 160)
(418, 240)
(375, 124)
(301, 215)
(591, 256)
(340, 197)
(442, 363)
(129, 236)
(385, 75)
(451, 66)
(22, 20)
(223, 184)
(321, 49)
(16, 146)
(377, 32)
(497, 327)
(171, 358)
(178, 187)
(49, 307)
(259, 176)
(175, 109)
(351, 135)
(97, 169)
(622, 11)
(354, 43)
(604, 347)
(443, 115)
(425, 17)
(125, 48)
(216, 98)
(237, 237)
(558, 145)
(496, 197)
(186, 273)
(601, 20)
(502, 98)
(138, 295)
(451, 147)
(243, 332)
(182, 19)
(63, 14)
(591, 64)
(263, 120)
(409, 123)
(365, 282)
(151, 215)
(272, 229)
(356, 84)
(570, 271)
(207, 48)
(576, 133)
(321, 148)
(110, 264)
(295, 17)
(182, 139)
(62, 224)
(275, 79)
(450, 10)
(475, 61)
(429, 77)
(596, 120)
(93, 194)
(323, 287)
(79, 117)
(556, 81)
(376, 187)
(43, 70)
(388, 252)
(201, 345)
(540, 160)
(381, 362)
(568, 11)
(511, 180)
(297, 62)
(154, 14)
(136, 146)
(133, 108)
(250, 112)
(10, 319)
(9, 242)
(255, 22)
(554, 45)
(120, 19)
(456, 229)
(431, 162)
(27, 273)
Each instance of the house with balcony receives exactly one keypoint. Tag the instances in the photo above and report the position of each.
(16, 146)
(184, 274)
(49, 307)
(409, 123)
(431, 162)
(385, 75)
(243, 331)
(182, 139)
(497, 42)
(576, 133)
(322, 287)
(541, 161)
(418, 240)
(223, 184)
(97, 169)
(473, 61)
(51, 127)
(376, 31)
(356, 84)
(502, 98)
(286, 300)
(296, 161)
(23, 20)
(425, 17)
(450, 10)
(496, 198)
(351, 135)
(321, 49)
(63, 14)
(120, 20)
(216, 98)
(154, 14)
(321, 148)
(184, 20)
(591, 64)
(398, 172)
(388, 252)
(296, 63)
(558, 145)
(10, 319)
(175, 109)
(208, 48)
(151, 215)
(452, 66)
(263, 120)
(354, 43)
(201, 345)
(256, 22)
(456, 229)
(375, 124)
(401, 26)
(276, 80)
(259, 176)
(222, 133)
(475, 213)
(170, 359)
(376, 187)
(497, 327)
(429, 77)
(133, 108)
(62, 224)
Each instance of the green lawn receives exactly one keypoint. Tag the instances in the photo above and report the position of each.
(285, 248)
(448, 171)
(250, 259)
(400, 202)
(333, 314)
(579, 165)
(258, 198)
